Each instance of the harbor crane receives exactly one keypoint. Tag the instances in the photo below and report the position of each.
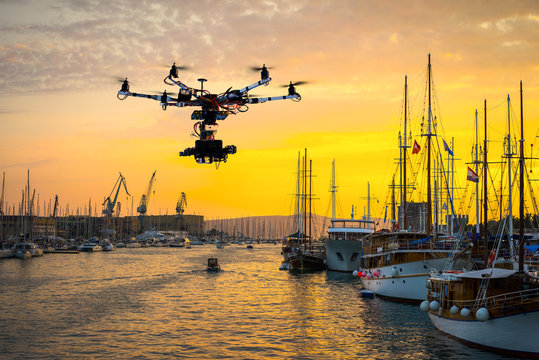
(108, 204)
(55, 207)
(145, 199)
(181, 204)
(213, 107)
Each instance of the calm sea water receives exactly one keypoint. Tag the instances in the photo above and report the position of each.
(160, 303)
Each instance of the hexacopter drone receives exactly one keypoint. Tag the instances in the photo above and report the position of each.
(214, 107)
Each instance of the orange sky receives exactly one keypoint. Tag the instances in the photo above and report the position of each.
(60, 118)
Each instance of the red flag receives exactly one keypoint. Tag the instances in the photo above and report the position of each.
(472, 176)
(416, 148)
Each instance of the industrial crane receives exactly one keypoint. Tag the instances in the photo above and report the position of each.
(145, 199)
(181, 204)
(108, 204)
(55, 208)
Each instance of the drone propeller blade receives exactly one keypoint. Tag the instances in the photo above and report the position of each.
(258, 68)
(296, 83)
(120, 79)
(179, 67)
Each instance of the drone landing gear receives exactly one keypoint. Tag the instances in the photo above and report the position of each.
(209, 151)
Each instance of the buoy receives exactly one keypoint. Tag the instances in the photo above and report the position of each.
(482, 314)
(435, 305)
(369, 276)
(454, 310)
(465, 312)
(355, 273)
(394, 272)
(425, 306)
(376, 273)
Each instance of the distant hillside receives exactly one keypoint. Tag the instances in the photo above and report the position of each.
(269, 227)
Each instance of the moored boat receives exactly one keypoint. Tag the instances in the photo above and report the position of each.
(396, 265)
(90, 247)
(344, 244)
(493, 308)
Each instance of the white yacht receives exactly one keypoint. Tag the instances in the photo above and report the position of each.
(344, 244)
(90, 247)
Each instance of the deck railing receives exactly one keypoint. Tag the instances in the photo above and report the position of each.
(391, 244)
(495, 302)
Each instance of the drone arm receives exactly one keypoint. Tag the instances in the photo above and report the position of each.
(181, 85)
(296, 97)
(255, 85)
(146, 96)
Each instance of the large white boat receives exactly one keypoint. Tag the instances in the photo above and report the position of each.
(396, 265)
(344, 243)
(492, 308)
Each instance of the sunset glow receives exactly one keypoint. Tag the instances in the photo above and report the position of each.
(60, 118)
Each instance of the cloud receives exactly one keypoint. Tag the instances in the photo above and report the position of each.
(29, 164)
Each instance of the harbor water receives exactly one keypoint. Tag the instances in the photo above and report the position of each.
(161, 303)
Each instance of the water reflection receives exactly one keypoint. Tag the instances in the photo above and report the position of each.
(161, 303)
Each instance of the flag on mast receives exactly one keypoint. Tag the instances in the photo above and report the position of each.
(416, 147)
(446, 148)
(472, 176)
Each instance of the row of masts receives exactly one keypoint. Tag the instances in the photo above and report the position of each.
(509, 155)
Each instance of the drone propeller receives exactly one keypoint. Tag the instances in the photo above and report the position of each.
(125, 83)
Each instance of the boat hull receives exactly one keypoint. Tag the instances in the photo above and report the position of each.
(514, 333)
(343, 255)
(304, 262)
(409, 283)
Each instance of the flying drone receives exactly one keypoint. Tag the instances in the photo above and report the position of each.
(213, 108)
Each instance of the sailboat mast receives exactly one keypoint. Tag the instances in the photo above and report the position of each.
(393, 200)
(477, 215)
(521, 168)
(429, 210)
(305, 200)
(310, 200)
(298, 196)
(333, 190)
(509, 155)
(485, 197)
(404, 189)
(368, 200)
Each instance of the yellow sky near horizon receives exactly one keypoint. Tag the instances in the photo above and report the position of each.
(59, 116)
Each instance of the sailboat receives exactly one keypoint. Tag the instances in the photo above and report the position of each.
(396, 264)
(494, 307)
(304, 254)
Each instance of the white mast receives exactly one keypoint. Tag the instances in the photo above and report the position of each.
(452, 184)
(333, 190)
(509, 154)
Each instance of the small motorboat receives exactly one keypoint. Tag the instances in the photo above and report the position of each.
(369, 294)
(213, 265)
